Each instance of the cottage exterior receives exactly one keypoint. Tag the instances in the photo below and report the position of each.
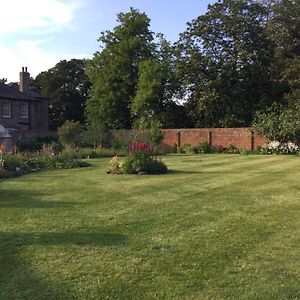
(23, 113)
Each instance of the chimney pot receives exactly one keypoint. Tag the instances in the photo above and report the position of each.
(24, 81)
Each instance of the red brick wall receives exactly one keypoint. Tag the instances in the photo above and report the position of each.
(217, 137)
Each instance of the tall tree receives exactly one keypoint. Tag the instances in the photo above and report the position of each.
(156, 87)
(113, 71)
(284, 29)
(226, 59)
(67, 87)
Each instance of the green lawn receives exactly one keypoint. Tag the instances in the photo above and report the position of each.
(215, 227)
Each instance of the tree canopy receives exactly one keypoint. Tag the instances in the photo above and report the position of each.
(232, 64)
(66, 85)
(227, 60)
(113, 71)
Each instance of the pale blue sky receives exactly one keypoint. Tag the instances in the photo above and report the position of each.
(40, 33)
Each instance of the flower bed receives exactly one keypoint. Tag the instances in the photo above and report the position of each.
(275, 147)
(25, 163)
(139, 161)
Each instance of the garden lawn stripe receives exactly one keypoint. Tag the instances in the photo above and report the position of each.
(215, 227)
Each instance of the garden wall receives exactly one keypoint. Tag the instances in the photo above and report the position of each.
(245, 138)
(217, 137)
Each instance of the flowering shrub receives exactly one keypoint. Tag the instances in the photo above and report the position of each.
(2, 151)
(139, 161)
(275, 147)
(140, 147)
(26, 163)
(143, 162)
(1, 163)
(115, 166)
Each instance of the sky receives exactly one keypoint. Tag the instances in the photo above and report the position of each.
(39, 33)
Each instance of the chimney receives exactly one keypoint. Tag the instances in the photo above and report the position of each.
(24, 81)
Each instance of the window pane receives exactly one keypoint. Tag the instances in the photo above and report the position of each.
(24, 110)
(6, 113)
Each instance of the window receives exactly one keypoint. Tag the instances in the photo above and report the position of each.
(6, 113)
(24, 111)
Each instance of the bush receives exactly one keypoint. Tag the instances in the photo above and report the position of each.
(278, 123)
(148, 131)
(244, 151)
(119, 140)
(187, 149)
(84, 153)
(275, 147)
(37, 144)
(231, 149)
(25, 163)
(205, 147)
(137, 163)
(69, 133)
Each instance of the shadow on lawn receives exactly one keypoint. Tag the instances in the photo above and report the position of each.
(63, 238)
(19, 278)
(30, 199)
(172, 171)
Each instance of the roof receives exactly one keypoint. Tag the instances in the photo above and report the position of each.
(11, 92)
(4, 132)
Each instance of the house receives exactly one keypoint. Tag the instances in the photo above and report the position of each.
(23, 113)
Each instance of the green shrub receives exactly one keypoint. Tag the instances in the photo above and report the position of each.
(187, 149)
(231, 149)
(135, 163)
(278, 123)
(204, 147)
(11, 162)
(244, 151)
(174, 148)
(144, 162)
(84, 153)
(37, 144)
(119, 140)
(69, 134)
(26, 163)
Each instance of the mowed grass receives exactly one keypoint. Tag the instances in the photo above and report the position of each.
(215, 227)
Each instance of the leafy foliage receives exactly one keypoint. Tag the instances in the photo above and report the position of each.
(205, 147)
(138, 162)
(69, 134)
(26, 163)
(114, 70)
(36, 144)
(275, 147)
(278, 123)
(226, 58)
(148, 131)
(66, 85)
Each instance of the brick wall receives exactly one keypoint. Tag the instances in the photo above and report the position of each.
(217, 137)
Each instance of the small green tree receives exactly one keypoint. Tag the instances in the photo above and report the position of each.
(148, 131)
(155, 132)
(278, 123)
(69, 134)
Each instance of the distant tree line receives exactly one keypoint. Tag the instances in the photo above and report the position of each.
(237, 65)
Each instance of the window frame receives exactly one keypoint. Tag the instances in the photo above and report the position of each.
(6, 109)
(24, 114)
